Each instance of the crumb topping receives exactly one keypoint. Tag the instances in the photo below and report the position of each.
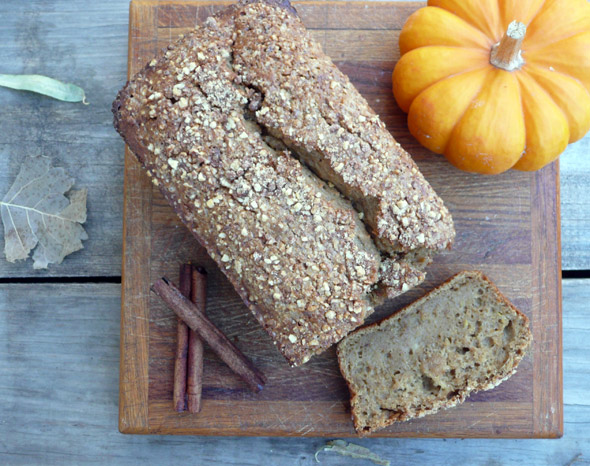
(314, 109)
(205, 123)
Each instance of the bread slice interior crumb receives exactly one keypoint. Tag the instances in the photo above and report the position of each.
(462, 337)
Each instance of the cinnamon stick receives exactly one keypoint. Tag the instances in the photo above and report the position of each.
(194, 379)
(182, 345)
(218, 342)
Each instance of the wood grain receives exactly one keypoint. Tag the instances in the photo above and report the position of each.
(54, 39)
(59, 343)
(90, 50)
(59, 353)
(575, 205)
(137, 231)
(507, 226)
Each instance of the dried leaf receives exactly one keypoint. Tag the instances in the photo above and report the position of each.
(37, 215)
(43, 85)
(350, 449)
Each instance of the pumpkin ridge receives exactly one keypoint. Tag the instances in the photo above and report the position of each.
(490, 34)
(481, 40)
(452, 76)
(475, 96)
(545, 90)
(559, 17)
(575, 52)
(520, 77)
(477, 66)
(532, 76)
(560, 73)
(481, 49)
(537, 12)
(549, 44)
(523, 115)
(509, 14)
(445, 102)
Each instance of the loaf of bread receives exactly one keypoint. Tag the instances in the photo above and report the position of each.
(282, 171)
(462, 337)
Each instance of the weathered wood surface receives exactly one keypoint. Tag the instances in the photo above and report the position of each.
(506, 227)
(59, 357)
(575, 206)
(84, 43)
(50, 414)
(90, 49)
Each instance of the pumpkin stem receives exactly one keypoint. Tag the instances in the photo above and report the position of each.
(506, 54)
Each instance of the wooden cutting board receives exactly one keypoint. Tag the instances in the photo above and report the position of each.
(507, 226)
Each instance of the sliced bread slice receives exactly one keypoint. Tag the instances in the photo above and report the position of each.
(462, 337)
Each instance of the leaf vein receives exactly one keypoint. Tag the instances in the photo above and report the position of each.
(27, 184)
(44, 214)
(22, 245)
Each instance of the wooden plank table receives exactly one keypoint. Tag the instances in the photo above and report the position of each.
(59, 350)
(59, 359)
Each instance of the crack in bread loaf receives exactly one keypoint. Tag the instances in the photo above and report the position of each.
(315, 110)
(291, 243)
(462, 337)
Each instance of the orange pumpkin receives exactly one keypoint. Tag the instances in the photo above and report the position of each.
(496, 84)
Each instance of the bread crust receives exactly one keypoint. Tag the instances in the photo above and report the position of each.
(314, 109)
(190, 119)
(507, 370)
